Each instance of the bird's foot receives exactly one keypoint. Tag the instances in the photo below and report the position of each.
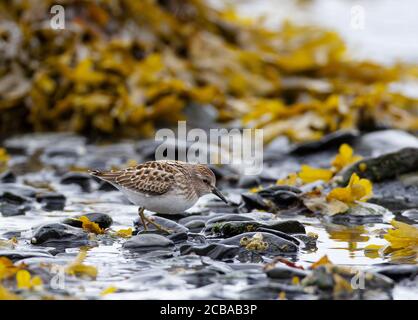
(157, 225)
(145, 220)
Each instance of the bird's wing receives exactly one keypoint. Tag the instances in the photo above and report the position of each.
(146, 178)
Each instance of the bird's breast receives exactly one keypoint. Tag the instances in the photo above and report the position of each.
(170, 202)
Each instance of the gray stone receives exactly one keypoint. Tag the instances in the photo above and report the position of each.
(148, 242)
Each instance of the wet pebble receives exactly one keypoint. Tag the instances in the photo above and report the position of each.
(178, 233)
(51, 200)
(364, 209)
(215, 251)
(12, 204)
(59, 234)
(276, 244)
(273, 199)
(232, 228)
(195, 225)
(102, 219)
(285, 272)
(411, 214)
(23, 254)
(148, 242)
(78, 178)
(225, 218)
(398, 272)
(7, 177)
(18, 190)
(386, 166)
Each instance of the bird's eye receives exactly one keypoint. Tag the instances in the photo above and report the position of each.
(206, 181)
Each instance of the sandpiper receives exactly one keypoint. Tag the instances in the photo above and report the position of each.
(162, 186)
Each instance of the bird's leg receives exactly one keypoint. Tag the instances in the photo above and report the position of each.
(143, 218)
(158, 226)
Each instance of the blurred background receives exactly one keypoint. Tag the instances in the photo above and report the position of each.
(122, 68)
(86, 84)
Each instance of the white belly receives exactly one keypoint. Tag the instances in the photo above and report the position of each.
(167, 203)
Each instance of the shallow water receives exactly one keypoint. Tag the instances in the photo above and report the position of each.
(166, 274)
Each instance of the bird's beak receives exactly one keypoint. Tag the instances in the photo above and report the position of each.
(216, 192)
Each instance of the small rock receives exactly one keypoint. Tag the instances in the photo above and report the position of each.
(7, 177)
(276, 244)
(13, 198)
(287, 226)
(273, 199)
(78, 178)
(59, 234)
(195, 225)
(148, 242)
(23, 254)
(411, 214)
(12, 204)
(248, 181)
(12, 210)
(364, 209)
(398, 272)
(225, 218)
(174, 227)
(386, 166)
(51, 200)
(215, 251)
(18, 190)
(253, 201)
(285, 272)
(233, 228)
(102, 219)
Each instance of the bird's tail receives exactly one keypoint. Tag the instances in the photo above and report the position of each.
(104, 175)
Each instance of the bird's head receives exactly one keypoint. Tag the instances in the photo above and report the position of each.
(205, 181)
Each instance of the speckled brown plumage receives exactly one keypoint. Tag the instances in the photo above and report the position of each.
(152, 177)
(163, 186)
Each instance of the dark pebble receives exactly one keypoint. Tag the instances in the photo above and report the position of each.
(23, 254)
(78, 178)
(225, 218)
(148, 242)
(232, 228)
(195, 225)
(7, 177)
(51, 200)
(386, 166)
(285, 272)
(59, 234)
(13, 198)
(19, 190)
(12, 210)
(174, 227)
(398, 272)
(276, 244)
(102, 219)
(215, 251)
(12, 204)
